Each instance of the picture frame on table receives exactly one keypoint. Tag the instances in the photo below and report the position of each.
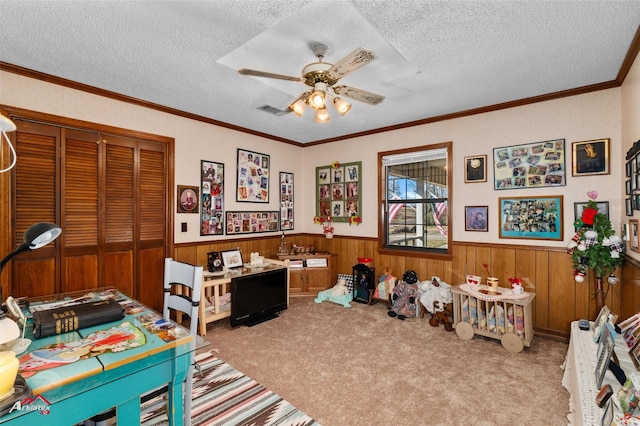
(601, 320)
(476, 218)
(607, 415)
(231, 258)
(532, 165)
(629, 322)
(475, 169)
(635, 355)
(590, 157)
(534, 218)
(605, 352)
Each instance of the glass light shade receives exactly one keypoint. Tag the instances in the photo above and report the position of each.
(316, 100)
(297, 107)
(322, 115)
(341, 105)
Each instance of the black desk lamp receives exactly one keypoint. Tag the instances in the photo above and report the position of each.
(36, 236)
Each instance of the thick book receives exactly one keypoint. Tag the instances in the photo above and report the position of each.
(71, 318)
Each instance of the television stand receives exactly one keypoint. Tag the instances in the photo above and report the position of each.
(260, 319)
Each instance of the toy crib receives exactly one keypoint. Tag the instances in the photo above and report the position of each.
(503, 315)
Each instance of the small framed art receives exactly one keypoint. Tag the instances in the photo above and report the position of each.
(188, 199)
(231, 258)
(475, 218)
(590, 157)
(635, 355)
(601, 320)
(628, 206)
(633, 234)
(475, 169)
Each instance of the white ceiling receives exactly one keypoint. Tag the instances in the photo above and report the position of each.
(434, 57)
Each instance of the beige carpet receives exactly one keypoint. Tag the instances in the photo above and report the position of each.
(357, 366)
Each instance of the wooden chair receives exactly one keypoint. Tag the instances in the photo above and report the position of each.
(182, 293)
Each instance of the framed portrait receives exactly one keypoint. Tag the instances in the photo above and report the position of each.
(339, 191)
(533, 165)
(628, 206)
(536, 218)
(253, 177)
(212, 199)
(605, 351)
(475, 169)
(603, 207)
(475, 218)
(628, 168)
(252, 222)
(633, 234)
(590, 157)
(188, 199)
(231, 258)
(286, 201)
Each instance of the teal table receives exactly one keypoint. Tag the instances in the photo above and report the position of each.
(87, 387)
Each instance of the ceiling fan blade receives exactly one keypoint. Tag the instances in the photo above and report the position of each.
(352, 62)
(358, 94)
(255, 73)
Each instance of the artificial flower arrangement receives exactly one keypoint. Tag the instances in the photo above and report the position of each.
(595, 246)
(326, 222)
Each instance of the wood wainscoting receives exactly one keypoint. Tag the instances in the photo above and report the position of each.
(547, 271)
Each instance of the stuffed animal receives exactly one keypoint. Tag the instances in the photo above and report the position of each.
(339, 294)
(435, 294)
(403, 298)
(386, 283)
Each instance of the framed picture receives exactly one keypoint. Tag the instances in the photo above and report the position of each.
(339, 191)
(628, 206)
(212, 200)
(475, 218)
(603, 207)
(475, 169)
(253, 177)
(286, 201)
(590, 157)
(605, 351)
(187, 199)
(607, 416)
(252, 222)
(633, 234)
(537, 218)
(628, 168)
(231, 258)
(635, 355)
(598, 324)
(533, 165)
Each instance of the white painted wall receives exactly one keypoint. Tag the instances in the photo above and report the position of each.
(630, 125)
(590, 116)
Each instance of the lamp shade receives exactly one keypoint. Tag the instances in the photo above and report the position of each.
(341, 105)
(41, 234)
(322, 115)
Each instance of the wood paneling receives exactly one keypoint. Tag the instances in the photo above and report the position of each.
(545, 271)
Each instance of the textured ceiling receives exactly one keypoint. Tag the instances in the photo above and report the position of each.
(434, 58)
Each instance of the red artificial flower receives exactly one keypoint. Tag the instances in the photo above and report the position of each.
(588, 214)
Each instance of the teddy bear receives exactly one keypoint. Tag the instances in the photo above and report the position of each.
(403, 298)
(339, 294)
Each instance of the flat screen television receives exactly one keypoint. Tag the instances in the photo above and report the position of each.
(258, 297)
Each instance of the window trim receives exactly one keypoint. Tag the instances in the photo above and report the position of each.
(382, 191)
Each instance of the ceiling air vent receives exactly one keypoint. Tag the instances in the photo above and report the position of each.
(274, 110)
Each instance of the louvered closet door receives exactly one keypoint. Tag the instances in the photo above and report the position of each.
(35, 192)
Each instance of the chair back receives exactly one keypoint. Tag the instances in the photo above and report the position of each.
(182, 290)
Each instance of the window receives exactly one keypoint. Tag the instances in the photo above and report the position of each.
(415, 199)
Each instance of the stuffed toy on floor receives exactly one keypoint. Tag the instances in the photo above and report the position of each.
(403, 298)
(339, 294)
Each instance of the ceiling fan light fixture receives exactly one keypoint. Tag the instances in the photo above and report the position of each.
(341, 105)
(322, 115)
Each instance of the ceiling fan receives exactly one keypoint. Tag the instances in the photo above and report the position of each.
(321, 77)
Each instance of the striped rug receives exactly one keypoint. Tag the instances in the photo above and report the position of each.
(224, 396)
